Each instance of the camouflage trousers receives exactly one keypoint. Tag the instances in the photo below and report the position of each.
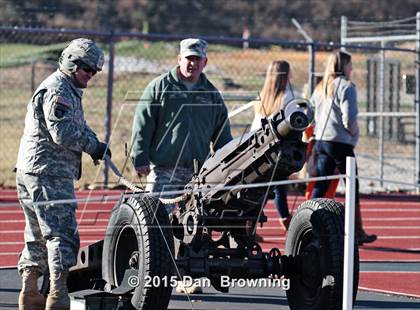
(163, 179)
(51, 236)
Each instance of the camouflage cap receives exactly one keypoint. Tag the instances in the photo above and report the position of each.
(192, 46)
(81, 50)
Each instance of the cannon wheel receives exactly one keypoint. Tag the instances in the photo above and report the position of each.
(316, 236)
(140, 224)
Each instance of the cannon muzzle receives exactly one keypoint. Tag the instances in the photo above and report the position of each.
(298, 115)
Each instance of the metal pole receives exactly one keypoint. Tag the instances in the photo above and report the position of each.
(311, 69)
(417, 103)
(343, 31)
(311, 50)
(349, 233)
(108, 115)
(381, 109)
(33, 72)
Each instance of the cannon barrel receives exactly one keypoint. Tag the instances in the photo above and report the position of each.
(297, 117)
(272, 152)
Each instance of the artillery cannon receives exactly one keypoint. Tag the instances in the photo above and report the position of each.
(212, 233)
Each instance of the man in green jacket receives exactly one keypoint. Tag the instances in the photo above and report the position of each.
(177, 118)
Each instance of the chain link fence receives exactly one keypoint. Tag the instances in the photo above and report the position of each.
(237, 70)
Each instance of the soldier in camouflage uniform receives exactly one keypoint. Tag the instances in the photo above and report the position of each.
(49, 160)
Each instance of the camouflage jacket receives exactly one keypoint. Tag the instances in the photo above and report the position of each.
(55, 132)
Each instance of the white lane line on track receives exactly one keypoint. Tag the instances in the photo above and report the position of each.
(274, 238)
(408, 209)
(82, 243)
(379, 237)
(81, 230)
(392, 219)
(365, 226)
(398, 237)
(391, 227)
(365, 218)
(388, 292)
(88, 221)
(393, 210)
(391, 271)
(388, 260)
(77, 211)
(413, 250)
(389, 202)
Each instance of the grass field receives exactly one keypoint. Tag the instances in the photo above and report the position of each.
(24, 66)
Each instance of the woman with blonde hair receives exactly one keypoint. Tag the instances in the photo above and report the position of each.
(336, 128)
(276, 92)
(275, 95)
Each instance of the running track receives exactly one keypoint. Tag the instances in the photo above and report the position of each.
(395, 219)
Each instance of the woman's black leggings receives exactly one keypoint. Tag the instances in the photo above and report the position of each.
(332, 155)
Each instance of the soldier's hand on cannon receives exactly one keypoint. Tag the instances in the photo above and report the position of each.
(143, 171)
(101, 150)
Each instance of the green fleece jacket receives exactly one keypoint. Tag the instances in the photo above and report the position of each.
(172, 125)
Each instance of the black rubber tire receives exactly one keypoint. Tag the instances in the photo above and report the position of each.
(140, 224)
(317, 230)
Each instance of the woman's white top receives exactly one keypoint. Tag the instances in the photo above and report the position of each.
(287, 97)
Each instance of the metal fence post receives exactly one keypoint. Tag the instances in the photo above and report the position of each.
(311, 50)
(33, 73)
(108, 115)
(381, 109)
(417, 99)
(311, 68)
(343, 31)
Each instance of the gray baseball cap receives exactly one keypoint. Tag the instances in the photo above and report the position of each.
(193, 46)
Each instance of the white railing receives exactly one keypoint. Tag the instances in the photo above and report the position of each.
(349, 233)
